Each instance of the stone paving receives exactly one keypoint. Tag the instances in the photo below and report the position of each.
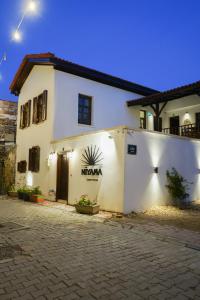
(70, 256)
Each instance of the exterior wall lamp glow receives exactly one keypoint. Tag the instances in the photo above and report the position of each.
(70, 154)
(155, 170)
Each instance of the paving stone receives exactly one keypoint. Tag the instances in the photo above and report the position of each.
(71, 256)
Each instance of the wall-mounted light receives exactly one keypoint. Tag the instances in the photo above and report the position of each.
(70, 153)
(155, 170)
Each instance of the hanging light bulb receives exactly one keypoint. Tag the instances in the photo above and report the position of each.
(17, 36)
(32, 6)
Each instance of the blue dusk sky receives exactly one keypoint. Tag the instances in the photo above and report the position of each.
(151, 42)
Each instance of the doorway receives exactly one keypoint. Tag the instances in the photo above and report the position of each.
(62, 177)
(174, 125)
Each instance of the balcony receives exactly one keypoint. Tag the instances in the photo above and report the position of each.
(190, 130)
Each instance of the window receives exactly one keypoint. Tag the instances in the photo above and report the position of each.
(143, 119)
(84, 109)
(40, 108)
(34, 159)
(21, 166)
(25, 115)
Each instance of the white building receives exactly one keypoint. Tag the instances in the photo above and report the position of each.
(81, 131)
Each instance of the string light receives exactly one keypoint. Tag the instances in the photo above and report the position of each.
(30, 8)
(17, 37)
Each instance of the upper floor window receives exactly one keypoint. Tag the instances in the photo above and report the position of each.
(40, 108)
(143, 119)
(25, 115)
(84, 109)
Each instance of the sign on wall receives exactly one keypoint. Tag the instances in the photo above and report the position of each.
(132, 149)
(91, 160)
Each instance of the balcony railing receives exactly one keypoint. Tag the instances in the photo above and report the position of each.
(190, 130)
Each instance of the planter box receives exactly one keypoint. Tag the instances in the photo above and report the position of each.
(12, 194)
(37, 198)
(90, 210)
(20, 195)
(27, 197)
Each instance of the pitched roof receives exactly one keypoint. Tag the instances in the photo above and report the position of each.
(62, 65)
(169, 95)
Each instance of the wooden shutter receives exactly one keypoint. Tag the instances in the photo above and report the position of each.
(26, 114)
(21, 166)
(36, 159)
(35, 113)
(30, 160)
(29, 113)
(18, 167)
(44, 105)
(21, 116)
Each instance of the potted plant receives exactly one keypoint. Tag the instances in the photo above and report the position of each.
(20, 192)
(36, 195)
(12, 191)
(86, 206)
(27, 192)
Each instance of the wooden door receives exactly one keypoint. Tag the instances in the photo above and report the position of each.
(174, 125)
(62, 177)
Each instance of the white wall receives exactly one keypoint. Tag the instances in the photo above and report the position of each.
(144, 188)
(109, 189)
(178, 107)
(109, 105)
(41, 78)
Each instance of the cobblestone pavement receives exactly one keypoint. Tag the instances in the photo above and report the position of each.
(69, 256)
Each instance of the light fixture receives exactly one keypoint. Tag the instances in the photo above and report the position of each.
(155, 170)
(70, 153)
(31, 6)
(17, 36)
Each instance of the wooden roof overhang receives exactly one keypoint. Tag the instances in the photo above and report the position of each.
(155, 100)
(65, 66)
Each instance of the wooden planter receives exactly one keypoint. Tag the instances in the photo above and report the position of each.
(89, 210)
(37, 198)
(12, 194)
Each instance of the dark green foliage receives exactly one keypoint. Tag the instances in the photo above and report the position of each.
(177, 187)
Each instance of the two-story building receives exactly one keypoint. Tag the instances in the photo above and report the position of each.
(81, 131)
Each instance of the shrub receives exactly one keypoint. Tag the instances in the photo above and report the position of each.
(36, 191)
(177, 187)
(85, 201)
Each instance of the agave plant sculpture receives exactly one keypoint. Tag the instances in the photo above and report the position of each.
(91, 156)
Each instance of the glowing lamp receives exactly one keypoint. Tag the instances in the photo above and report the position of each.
(32, 6)
(17, 36)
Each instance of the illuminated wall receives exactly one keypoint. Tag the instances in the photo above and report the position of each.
(143, 187)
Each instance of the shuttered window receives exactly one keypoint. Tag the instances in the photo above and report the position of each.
(84, 109)
(34, 159)
(40, 108)
(25, 115)
(21, 166)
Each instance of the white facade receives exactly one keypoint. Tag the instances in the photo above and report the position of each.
(128, 182)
